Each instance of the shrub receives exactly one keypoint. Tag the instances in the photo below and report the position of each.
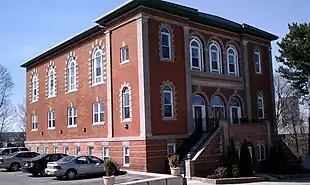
(174, 161)
(110, 167)
(232, 160)
(246, 168)
(220, 172)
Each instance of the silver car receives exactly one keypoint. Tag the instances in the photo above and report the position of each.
(16, 160)
(72, 167)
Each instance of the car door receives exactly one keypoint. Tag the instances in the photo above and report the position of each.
(82, 165)
(96, 165)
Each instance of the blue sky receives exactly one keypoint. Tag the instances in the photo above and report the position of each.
(30, 27)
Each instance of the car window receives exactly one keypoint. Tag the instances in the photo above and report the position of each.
(81, 160)
(20, 155)
(32, 155)
(66, 159)
(13, 150)
(23, 149)
(53, 158)
(94, 160)
(6, 152)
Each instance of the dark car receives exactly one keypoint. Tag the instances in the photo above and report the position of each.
(38, 164)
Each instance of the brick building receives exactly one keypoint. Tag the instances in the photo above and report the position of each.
(144, 79)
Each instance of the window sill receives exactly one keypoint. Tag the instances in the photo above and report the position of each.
(34, 101)
(258, 73)
(34, 130)
(127, 120)
(49, 97)
(51, 128)
(72, 91)
(97, 84)
(166, 59)
(98, 123)
(124, 62)
(169, 119)
(72, 126)
(126, 165)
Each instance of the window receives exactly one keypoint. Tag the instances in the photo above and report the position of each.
(215, 58)
(34, 122)
(257, 60)
(168, 101)
(51, 89)
(260, 152)
(165, 43)
(94, 160)
(55, 149)
(260, 106)
(81, 160)
(238, 151)
(45, 151)
(35, 88)
(72, 75)
(72, 117)
(218, 111)
(196, 54)
(126, 156)
(235, 111)
(66, 150)
(97, 66)
(77, 150)
(170, 148)
(105, 152)
(37, 150)
(51, 120)
(126, 103)
(98, 113)
(124, 54)
(232, 61)
(90, 150)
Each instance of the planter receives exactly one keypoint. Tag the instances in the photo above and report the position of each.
(108, 180)
(175, 171)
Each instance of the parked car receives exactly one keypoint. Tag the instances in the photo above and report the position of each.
(38, 164)
(72, 167)
(16, 160)
(11, 150)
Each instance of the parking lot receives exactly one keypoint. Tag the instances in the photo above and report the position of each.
(20, 178)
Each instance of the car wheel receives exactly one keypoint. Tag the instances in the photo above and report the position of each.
(35, 174)
(71, 174)
(15, 166)
(43, 172)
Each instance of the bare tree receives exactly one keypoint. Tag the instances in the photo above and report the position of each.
(6, 117)
(20, 113)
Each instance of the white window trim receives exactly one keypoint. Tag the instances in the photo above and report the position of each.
(45, 150)
(51, 90)
(89, 149)
(173, 145)
(35, 82)
(169, 43)
(99, 112)
(66, 148)
(124, 155)
(55, 149)
(259, 157)
(200, 58)
(122, 50)
(171, 99)
(129, 106)
(51, 119)
(76, 152)
(34, 121)
(73, 125)
(94, 66)
(69, 76)
(107, 154)
(38, 149)
(257, 52)
(261, 97)
(219, 61)
(236, 62)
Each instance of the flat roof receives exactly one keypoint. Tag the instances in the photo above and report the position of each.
(190, 13)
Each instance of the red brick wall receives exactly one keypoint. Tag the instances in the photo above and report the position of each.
(251, 132)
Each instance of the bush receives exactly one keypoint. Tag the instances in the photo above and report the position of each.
(174, 161)
(232, 160)
(219, 173)
(276, 161)
(110, 167)
(246, 167)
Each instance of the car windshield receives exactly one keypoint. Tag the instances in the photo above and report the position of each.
(66, 159)
(38, 157)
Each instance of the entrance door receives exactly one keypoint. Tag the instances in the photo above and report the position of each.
(235, 115)
(200, 118)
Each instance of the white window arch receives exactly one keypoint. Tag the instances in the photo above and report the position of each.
(218, 108)
(35, 88)
(260, 106)
(235, 110)
(165, 43)
(72, 75)
(196, 56)
(51, 88)
(167, 95)
(257, 60)
(232, 61)
(215, 58)
(97, 66)
(126, 105)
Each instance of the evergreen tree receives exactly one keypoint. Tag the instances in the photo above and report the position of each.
(246, 169)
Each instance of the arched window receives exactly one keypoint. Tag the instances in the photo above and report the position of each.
(218, 108)
(198, 100)
(215, 58)
(51, 89)
(72, 75)
(257, 60)
(165, 43)
(168, 101)
(97, 68)
(35, 88)
(260, 106)
(196, 54)
(232, 61)
(126, 103)
(235, 110)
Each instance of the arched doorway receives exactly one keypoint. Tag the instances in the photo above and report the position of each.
(199, 113)
(235, 111)
(218, 108)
